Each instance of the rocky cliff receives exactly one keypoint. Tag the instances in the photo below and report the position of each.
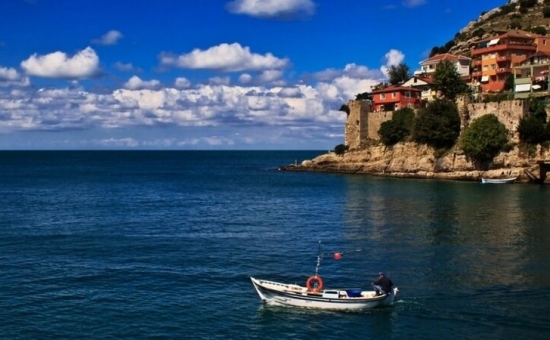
(419, 161)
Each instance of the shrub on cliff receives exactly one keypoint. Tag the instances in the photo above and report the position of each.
(340, 149)
(532, 130)
(398, 128)
(484, 139)
(437, 125)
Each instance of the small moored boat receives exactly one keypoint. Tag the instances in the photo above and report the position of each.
(498, 180)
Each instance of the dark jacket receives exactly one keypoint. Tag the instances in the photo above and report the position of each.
(385, 283)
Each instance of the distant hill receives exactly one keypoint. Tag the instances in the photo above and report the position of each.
(527, 15)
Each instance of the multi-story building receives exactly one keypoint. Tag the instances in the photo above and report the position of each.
(428, 66)
(493, 57)
(531, 75)
(396, 97)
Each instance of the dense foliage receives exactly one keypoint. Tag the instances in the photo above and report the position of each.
(484, 139)
(340, 149)
(398, 128)
(398, 73)
(363, 96)
(448, 80)
(443, 49)
(344, 108)
(509, 82)
(438, 124)
(533, 128)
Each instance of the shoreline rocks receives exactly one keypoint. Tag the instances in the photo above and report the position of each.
(411, 160)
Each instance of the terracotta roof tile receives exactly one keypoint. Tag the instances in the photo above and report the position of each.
(393, 88)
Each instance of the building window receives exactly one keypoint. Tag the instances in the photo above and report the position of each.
(407, 94)
(393, 95)
(493, 66)
(382, 96)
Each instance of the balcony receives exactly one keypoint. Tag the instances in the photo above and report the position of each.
(476, 74)
(476, 62)
(504, 58)
(504, 47)
(503, 70)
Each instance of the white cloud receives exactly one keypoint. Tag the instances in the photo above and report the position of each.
(269, 114)
(350, 70)
(272, 8)
(219, 81)
(117, 143)
(10, 77)
(245, 78)
(84, 64)
(128, 67)
(413, 3)
(290, 92)
(109, 38)
(269, 76)
(136, 83)
(224, 57)
(393, 58)
(182, 83)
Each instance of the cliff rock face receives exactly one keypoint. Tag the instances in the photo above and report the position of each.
(419, 161)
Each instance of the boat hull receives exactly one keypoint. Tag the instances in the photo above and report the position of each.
(281, 294)
(497, 180)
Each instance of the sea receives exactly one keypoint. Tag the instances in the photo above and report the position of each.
(162, 245)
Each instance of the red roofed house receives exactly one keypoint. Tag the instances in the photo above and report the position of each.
(423, 84)
(462, 64)
(396, 97)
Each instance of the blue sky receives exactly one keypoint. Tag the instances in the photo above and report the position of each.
(207, 74)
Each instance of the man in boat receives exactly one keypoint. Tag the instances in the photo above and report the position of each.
(382, 285)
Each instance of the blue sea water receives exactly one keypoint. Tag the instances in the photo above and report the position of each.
(161, 245)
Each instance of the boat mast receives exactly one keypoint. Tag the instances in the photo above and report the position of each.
(319, 257)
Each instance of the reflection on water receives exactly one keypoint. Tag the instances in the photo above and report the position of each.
(452, 234)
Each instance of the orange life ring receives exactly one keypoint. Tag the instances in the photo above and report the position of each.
(314, 283)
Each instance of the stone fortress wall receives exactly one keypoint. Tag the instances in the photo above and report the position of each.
(362, 125)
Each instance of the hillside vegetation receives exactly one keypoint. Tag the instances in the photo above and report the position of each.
(528, 15)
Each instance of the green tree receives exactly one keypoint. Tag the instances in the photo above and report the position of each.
(532, 130)
(448, 80)
(398, 128)
(509, 82)
(537, 108)
(538, 30)
(344, 108)
(484, 139)
(438, 124)
(398, 73)
(340, 149)
(363, 96)
(515, 24)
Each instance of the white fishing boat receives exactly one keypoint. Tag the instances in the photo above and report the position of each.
(498, 180)
(282, 294)
(314, 295)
